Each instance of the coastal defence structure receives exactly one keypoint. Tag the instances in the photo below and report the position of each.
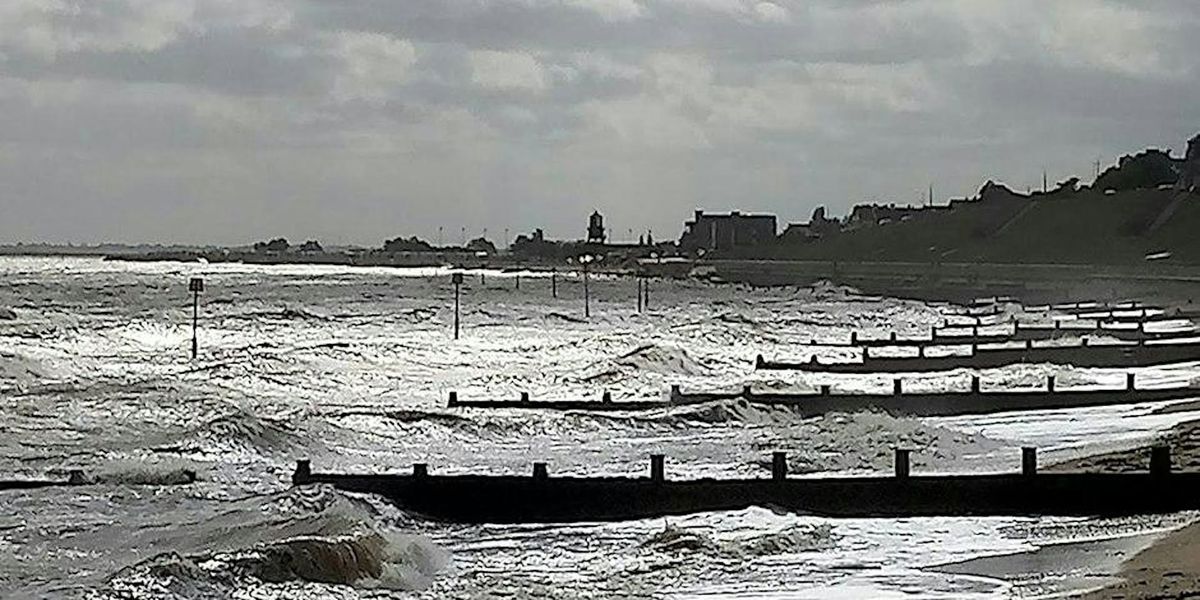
(1018, 332)
(543, 498)
(1144, 353)
(899, 402)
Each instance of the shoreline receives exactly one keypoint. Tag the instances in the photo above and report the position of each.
(1162, 563)
(1060, 569)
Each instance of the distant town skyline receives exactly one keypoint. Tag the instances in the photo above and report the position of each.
(226, 122)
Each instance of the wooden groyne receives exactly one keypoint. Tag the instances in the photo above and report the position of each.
(74, 478)
(975, 334)
(542, 498)
(1133, 315)
(1140, 354)
(900, 402)
(605, 403)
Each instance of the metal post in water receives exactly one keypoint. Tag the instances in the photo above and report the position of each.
(638, 278)
(518, 281)
(646, 292)
(587, 299)
(195, 286)
(554, 283)
(457, 280)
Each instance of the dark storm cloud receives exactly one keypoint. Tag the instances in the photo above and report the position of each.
(229, 120)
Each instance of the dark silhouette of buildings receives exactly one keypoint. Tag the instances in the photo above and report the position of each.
(871, 215)
(727, 232)
(311, 247)
(1189, 177)
(276, 246)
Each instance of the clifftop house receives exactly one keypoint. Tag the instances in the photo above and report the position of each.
(731, 231)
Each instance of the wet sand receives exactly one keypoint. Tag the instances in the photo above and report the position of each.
(1170, 567)
(1061, 569)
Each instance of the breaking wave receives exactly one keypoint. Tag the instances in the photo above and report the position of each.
(664, 360)
(314, 534)
(22, 368)
(134, 472)
(288, 313)
(559, 316)
(835, 441)
(793, 539)
(240, 430)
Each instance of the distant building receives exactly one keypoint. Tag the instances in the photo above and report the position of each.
(727, 232)
(595, 234)
(1190, 172)
(870, 215)
(310, 247)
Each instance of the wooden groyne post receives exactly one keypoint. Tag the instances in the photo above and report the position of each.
(902, 462)
(779, 466)
(195, 286)
(1028, 461)
(1160, 461)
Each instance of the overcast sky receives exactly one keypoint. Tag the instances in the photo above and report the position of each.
(227, 121)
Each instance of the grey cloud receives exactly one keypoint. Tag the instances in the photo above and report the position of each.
(211, 120)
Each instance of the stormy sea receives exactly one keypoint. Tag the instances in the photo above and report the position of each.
(188, 463)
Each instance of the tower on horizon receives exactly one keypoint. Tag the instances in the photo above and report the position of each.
(595, 233)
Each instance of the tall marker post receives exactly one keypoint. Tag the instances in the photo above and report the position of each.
(195, 286)
(457, 280)
(587, 298)
(554, 283)
(638, 278)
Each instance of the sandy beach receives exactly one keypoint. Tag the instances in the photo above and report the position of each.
(1169, 567)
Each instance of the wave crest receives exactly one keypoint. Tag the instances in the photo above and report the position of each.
(793, 539)
(664, 360)
(311, 534)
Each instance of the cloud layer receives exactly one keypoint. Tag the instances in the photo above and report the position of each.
(231, 120)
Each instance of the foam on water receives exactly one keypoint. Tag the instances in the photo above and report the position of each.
(351, 367)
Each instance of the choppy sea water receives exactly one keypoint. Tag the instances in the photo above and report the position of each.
(351, 368)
